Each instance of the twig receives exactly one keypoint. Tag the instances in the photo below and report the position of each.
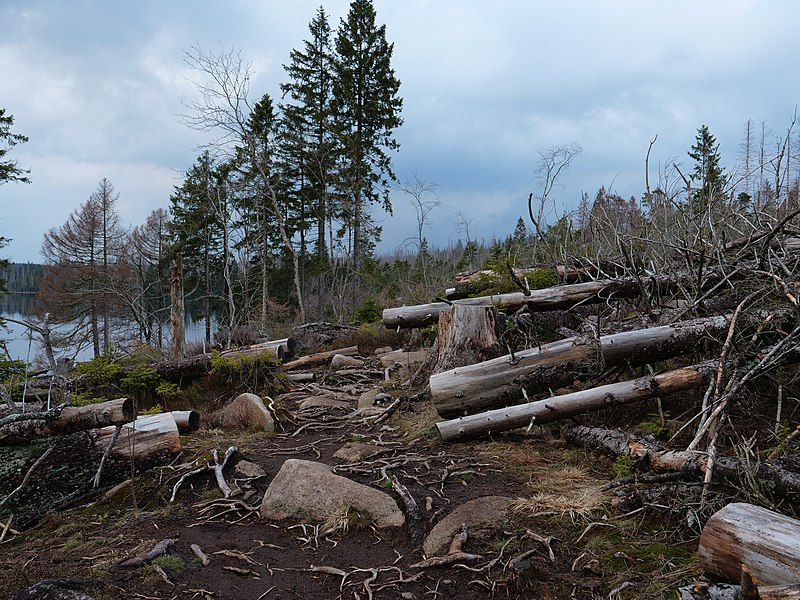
(107, 451)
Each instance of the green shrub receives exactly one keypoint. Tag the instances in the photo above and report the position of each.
(369, 312)
(141, 381)
(253, 373)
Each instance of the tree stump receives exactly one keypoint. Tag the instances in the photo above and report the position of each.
(467, 335)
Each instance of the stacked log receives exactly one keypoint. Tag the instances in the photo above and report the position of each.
(144, 437)
(500, 381)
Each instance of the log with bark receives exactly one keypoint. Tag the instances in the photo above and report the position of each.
(467, 283)
(144, 437)
(554, 298)
(500, 381)
(576, 403)
(783, 473)
(186, 420)
(192, 368)
(744, 536)
(23, 427)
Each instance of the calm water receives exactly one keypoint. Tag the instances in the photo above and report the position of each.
(22, 347)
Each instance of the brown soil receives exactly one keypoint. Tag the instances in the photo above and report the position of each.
(650, 550)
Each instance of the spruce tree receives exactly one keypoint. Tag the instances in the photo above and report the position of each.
(707, 171)
(308, 124)
(367, 110)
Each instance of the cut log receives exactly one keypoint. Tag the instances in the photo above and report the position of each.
(500, 381)
(568, 405)
(22, 428)
(319, 358)
(308, 377)
(469, 283)
(186, 420)
(467, 335)
(146, 436)
(554, 298)
(765, 543)
(281, 348)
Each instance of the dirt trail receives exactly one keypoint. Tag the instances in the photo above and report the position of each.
(254, 559)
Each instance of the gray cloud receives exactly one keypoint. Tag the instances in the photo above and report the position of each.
(97, 86)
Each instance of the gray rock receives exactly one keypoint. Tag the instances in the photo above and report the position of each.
(304, 489)
(405, 359)
(484, 518)
(340, 361)
(245, 469)
(323, 402)
(353, 452)
(247, 412)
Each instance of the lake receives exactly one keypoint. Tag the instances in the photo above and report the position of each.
(21, 347)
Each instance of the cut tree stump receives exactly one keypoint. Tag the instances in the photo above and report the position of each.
(21, 428)
(765, 543)
(500, 381)
(576, 403)
(143, 438)
(467, 335)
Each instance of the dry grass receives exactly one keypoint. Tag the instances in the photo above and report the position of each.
(343, 519)
(562, 490)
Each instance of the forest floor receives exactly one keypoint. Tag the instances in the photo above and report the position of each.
(602, 546)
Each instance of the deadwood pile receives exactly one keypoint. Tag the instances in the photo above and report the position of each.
(716, 341)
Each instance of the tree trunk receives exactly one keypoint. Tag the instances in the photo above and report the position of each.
(143, 438)
(500, 381)
(765, 543)
(784, 473)
(22, 428)
(467, 335)
(569, 405)
(195, 367)
(176, 310)
(186, 420)
(553, 298)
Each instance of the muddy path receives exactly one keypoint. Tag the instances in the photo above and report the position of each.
(560, 537)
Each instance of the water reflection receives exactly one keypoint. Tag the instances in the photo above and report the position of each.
(22, 347)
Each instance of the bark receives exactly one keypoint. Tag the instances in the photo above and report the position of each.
(176, 309)
(467, 335)
(22, 428)
(186, 420)
(784, 473)
(319, 358)
(500, 381)
(194, 367)
(145, 437)
(554, 298)
(765, 543)
(569, 405)
(467, 282)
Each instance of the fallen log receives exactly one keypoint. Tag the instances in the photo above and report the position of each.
(743, 536)
(576, 403)
(560, 297)
(784, 473)
(500, 381)
(469, 283)
(319, 358)
(23, 427)
(467, 335)
(142, 438)
(194, 367)
(186, 420)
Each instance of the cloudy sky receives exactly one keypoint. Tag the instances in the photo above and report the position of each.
(98, 87)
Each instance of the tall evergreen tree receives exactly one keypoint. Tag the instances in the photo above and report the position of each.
(309, 123)
(9, 170)
(367, 110)
(195, 229)
(707, 171)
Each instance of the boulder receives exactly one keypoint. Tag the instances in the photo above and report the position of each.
(247, 412)
(404, 359)
(305, 490)
(484, 518)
